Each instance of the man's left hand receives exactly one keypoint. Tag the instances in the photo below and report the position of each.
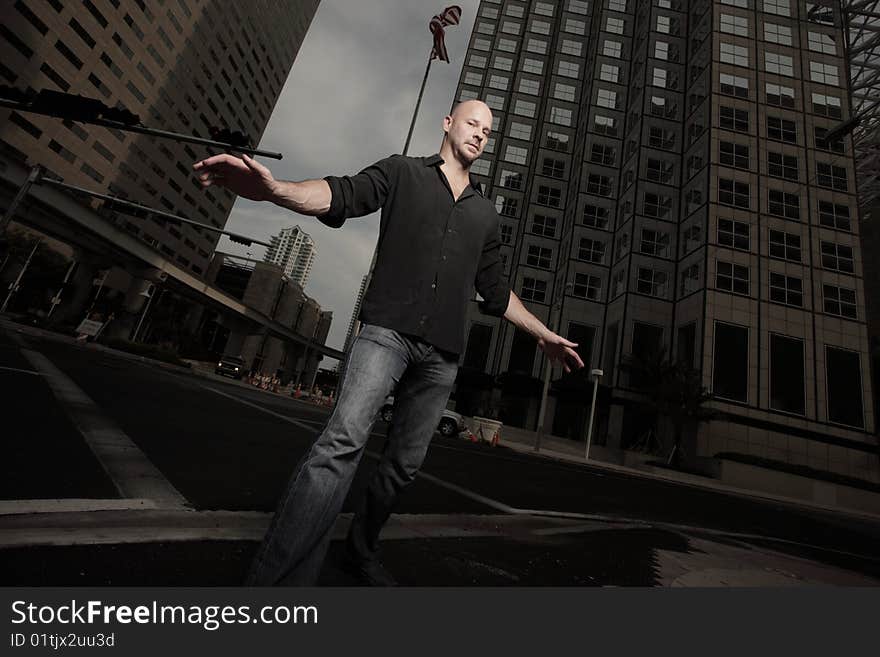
(559, 350)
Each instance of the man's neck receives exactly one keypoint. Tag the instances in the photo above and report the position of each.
(452, 168)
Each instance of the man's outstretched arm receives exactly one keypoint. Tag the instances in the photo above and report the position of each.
(557, 348)
(250, 179)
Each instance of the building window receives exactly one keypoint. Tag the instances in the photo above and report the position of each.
(837, 257)
(480, 167)
(537, 46)
(587, 287)
(506, 206)
(564, 92)
(733, 193)
(731, 24)
(658, 78)
(494, 101)
(778, 94)
(527, 86)
(823, 144)
(511, 179)
(821, 42)
(606, 98)
(778, 7)
(595, 216)
(506, 233)
(556, 141)
(544, 226)
(733, 155)
(511, 27)
(520, 131)
(539, 256)
(777, 34)
(568, 69)
(659, 171)
(591, 250)
(690, 281)
(617, 283)
(553, 168)
(524, 108)
(533, 289)
(550, 196)
(782, 166)
(535, 66)
(651, 282)
(605, 125)
(824, 74)
(733, 119)
(787, 379)
(656, 205)
(654, 242)
(826, 105)
(664, 24)
(661, 50)
(779, 64)
(475, 79)
(569, 47)
(730, 362)
(614, 25)
(787, 290)
(783, 204)
(839, 301)
(785, 246)
(543, 8)
(560, 116)
(733, 85)
(835, 216)
(731, 277)
(599, 185)
(828, 175)
(507, 45)
(733, 54)
(609, 73)
(477, 61)
(733, 234)
(843, 381)
(781, 129)
(612, 48)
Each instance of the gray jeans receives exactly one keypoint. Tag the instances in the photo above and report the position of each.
(379, 360)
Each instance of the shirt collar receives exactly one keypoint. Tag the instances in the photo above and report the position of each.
(436, 160)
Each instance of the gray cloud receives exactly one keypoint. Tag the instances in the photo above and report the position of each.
(348, 102)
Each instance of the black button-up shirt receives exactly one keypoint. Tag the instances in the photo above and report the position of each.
(432, 250)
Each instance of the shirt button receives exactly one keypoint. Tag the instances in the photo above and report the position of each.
(433, 286)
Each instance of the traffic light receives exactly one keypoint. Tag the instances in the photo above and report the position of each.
(227, 137)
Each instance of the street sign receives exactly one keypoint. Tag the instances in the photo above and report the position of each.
(89, 327)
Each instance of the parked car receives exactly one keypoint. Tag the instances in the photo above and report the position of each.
(230, 366)
(450, 423)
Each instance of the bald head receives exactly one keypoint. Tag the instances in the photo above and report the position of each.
(467, 129)
(472, 107)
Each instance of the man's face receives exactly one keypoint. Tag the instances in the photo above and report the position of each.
(467, 130)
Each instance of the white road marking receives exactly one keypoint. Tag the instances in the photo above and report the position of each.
(69, 505)
(129, 469)
(15, 369)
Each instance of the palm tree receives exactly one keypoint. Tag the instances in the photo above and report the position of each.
(672, 390)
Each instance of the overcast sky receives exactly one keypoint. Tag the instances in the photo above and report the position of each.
(348, 102)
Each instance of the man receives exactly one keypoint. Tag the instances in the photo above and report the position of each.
(438, 240)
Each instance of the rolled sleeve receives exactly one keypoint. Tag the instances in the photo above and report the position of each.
(490, 281)
(358, 195)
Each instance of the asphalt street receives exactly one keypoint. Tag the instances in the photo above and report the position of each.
(479, 515)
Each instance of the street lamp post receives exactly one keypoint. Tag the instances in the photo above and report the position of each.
(557, 306)
(597, 374)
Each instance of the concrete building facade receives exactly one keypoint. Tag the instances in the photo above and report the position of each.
(663, 182)
(180, 65)
(294, 251)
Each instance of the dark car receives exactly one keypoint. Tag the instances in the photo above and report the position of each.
(230, 366)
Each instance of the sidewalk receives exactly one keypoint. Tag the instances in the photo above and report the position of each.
(562, 449)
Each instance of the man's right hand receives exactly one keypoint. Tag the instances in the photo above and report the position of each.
(242, 175)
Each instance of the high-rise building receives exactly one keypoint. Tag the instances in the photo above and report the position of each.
(355, 324)
(294, 251)
(664, 183)
(180, 65)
